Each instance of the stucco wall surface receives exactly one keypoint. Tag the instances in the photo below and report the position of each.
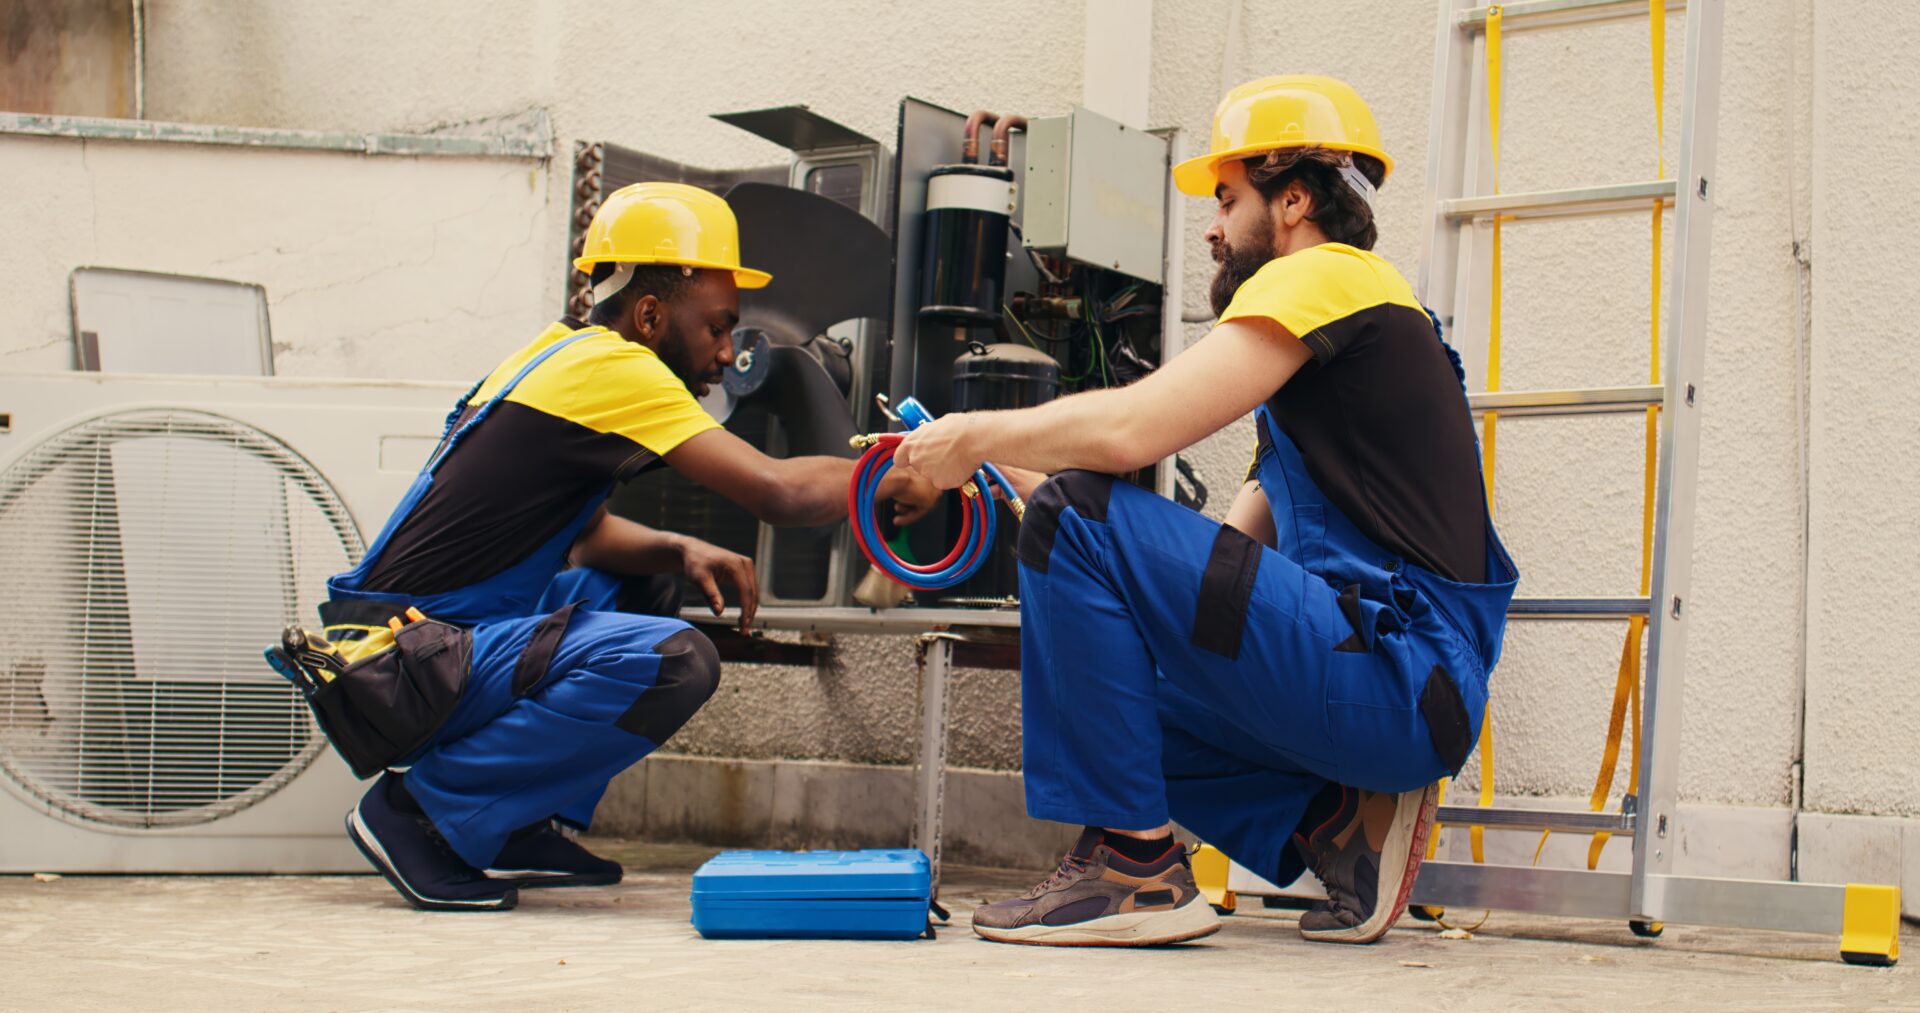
(1862, 712)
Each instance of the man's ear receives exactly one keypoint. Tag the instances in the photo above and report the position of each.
(1296, 203)
(647, 316)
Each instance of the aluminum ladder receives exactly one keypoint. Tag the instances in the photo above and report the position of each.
(1454, 280)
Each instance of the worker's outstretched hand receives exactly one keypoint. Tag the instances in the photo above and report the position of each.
(913, 496)
(707, 565)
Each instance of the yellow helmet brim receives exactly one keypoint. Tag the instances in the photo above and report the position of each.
(1199, 176)
(743, 277)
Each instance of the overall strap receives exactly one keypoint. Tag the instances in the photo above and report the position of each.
(447, 443)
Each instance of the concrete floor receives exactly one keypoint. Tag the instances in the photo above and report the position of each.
(348, 943)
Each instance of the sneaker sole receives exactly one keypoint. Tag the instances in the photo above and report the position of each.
(1411, 825)
(1132, 928)
(534, 879)
(369, 846)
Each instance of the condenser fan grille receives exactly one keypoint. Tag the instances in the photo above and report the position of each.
(153, 553)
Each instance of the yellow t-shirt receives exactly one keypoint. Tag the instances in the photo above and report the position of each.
(1322, 295)
(606, 384)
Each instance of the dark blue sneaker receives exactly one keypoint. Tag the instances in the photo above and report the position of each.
(397, 837)
(542, 856)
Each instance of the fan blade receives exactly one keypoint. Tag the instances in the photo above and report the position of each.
(828, 263)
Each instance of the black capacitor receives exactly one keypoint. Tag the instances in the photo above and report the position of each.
(993, 378)
(963, 261)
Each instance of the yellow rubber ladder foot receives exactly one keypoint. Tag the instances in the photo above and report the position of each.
(1647, 930)
(1210, 866)
(1870, 925)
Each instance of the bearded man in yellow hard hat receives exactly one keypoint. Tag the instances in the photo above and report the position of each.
(514, 646)
(1291, 684)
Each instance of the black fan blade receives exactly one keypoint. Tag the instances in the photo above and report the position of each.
(828, 263)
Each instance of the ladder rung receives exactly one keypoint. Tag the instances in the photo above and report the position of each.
(1576, 608)
(1581, 401)
(1524, 14)
(1614, 198)
(1537, 819)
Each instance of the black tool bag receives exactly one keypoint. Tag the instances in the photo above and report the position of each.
(383, 708)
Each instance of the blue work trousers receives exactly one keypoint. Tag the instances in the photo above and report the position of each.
(1172, 668)
(514, 754)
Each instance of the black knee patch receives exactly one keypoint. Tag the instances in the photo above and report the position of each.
(1226, 586)
(1447, 720)
(1086, 492)
(689, 673)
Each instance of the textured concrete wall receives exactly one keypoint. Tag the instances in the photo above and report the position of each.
(1863, 716)
(1579, 109)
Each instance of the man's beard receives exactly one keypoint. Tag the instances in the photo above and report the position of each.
(673, 351)
(1237, 264)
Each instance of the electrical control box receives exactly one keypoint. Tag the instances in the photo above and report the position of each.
(1096, 193)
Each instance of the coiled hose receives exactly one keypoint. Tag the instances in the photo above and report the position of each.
(977, 515)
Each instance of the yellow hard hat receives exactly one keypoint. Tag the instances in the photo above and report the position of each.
(1290, 111)
(666, 223)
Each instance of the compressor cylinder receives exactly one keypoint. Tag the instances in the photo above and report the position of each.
(963, 262)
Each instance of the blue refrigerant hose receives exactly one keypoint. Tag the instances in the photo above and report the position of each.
(977, 518)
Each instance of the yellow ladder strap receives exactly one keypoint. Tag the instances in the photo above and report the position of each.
(1626, 688)
(1476, 835)
(1433, 836)
(1626, 692)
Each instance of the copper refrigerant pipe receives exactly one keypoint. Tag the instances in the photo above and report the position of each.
(997, 155)
(970, 147)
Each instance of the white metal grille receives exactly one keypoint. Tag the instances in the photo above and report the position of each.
(151, 555)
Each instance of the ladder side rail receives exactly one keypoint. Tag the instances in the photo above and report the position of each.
(1446, 138)
(1472, 300)
(1656, 838)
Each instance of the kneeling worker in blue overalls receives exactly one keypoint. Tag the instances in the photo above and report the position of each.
(502, 584)
(1288, 686)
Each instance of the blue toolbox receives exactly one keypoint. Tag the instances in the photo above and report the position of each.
(874, 894)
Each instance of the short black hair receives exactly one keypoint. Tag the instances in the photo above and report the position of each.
(664, 282)
(1340, 212)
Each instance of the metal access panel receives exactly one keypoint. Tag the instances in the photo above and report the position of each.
(144, 322)
(1097, 193)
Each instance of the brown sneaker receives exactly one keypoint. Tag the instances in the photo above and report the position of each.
(1098, 897)
(1367, 856)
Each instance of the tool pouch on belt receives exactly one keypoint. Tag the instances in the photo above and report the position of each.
(383, 708)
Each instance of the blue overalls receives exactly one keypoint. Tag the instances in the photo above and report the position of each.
(1256, 676)
(527, 741)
